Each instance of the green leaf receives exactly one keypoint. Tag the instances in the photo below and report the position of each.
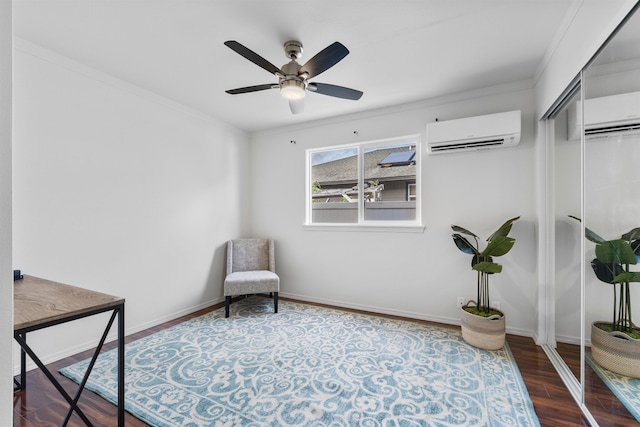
(628, 276)
(504, 229)
(464, 245)
(488, 267)
(592, 237)
(606, 272)
(615, 252)
(498, 246)
(463, 230)
(631, 235)
(635, 245)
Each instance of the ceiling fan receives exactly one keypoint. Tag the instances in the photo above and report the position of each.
(293, 78)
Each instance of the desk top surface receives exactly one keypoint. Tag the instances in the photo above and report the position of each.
(38, 301)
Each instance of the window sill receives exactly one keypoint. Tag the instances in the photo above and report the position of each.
(377, 227)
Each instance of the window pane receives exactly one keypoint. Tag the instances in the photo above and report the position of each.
(334, 186)
(367, 182)
(389, 176)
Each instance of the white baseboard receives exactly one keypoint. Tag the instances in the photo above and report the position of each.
(373, 309)
(400, 313)
(568, 339)
(173, 316)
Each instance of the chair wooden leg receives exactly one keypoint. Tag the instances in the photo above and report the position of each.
(275, 302)
(227, 301)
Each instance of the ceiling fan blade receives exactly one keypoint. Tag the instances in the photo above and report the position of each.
(252, 88)
(297, 106)
(325, 59)
(333, 90)
(252, 56)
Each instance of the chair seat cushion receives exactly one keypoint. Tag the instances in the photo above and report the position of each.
(251, 282)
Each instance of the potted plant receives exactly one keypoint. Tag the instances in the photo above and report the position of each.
(482, 325)
(615, 345)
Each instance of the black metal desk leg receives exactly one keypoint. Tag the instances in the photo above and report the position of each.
(94, 358)
(22, 384)
(18, 337)
(121, 366)
(23, 364)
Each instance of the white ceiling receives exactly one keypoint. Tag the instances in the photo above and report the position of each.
(401, 50)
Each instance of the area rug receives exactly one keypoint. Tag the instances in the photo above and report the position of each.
(312, 366)
(626, 389)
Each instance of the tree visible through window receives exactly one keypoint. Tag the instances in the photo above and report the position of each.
(370, 182)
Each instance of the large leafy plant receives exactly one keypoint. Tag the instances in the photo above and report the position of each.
(499, 243)
(612, 265)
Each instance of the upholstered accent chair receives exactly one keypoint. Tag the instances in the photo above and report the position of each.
(251, 269)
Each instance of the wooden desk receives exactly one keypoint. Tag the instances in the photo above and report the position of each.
(40, 303)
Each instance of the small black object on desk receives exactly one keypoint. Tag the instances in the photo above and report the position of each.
(17, 275)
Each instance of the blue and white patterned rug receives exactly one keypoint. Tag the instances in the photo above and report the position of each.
(626, 389)
(312, 366)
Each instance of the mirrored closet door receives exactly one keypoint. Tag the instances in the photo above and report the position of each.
(595, 193)
(611, 88)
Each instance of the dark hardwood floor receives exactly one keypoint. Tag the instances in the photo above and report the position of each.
(40, 404)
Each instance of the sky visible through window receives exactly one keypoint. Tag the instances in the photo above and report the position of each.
(331, 155)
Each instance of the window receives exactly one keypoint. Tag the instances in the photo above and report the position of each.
(411, 192)
(374, 183)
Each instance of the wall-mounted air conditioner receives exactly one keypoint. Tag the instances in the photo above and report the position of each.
(474, 133)
(605, 116)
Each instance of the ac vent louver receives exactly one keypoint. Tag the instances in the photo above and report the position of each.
(469, 145)
(607, 130)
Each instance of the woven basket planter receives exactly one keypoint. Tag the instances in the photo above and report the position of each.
(487, 333)
(615, 351)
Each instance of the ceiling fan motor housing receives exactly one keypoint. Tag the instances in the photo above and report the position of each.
(293, 49)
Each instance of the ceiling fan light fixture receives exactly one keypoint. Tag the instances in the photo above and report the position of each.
(292, 89)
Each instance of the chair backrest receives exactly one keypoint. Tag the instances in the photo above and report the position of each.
(250, 255)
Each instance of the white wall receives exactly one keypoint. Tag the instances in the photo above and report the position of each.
(411, 274)
(6, 278)
(120, 191)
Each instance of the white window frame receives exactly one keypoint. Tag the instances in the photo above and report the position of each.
(414, 196)
(362, 224)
